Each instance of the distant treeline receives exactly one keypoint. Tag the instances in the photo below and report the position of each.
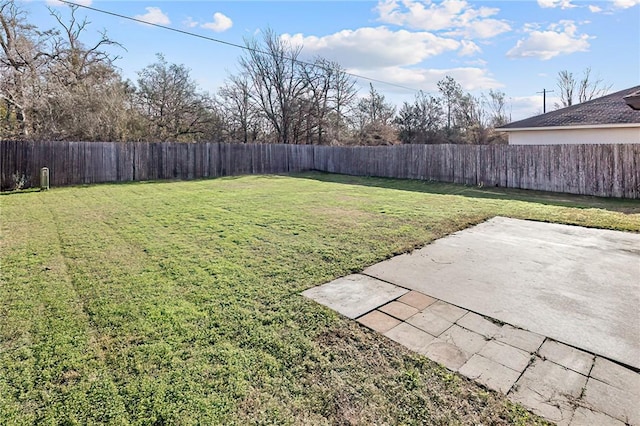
(53, 86)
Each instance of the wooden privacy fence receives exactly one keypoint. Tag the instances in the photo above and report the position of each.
(92, 162)
(611, 170)
(603, 170)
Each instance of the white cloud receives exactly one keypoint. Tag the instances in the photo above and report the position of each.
(477, 62)
(452, 15)
(560, 38)
(413, 13)
(59, 3)
(468, 48)
(470, 78)
(369, 48)
(562, 4)
(565, 25)
(625, 4)
(612, 6)
(154, 15)
(521, 107)
(486, 28)
(219, 24)
(531, 26)
(397, 56)
(189, 22)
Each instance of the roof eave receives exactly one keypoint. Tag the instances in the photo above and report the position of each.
(575, 127)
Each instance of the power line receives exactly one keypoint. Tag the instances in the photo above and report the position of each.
(227, 43)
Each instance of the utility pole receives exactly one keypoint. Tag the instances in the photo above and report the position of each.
(544, 99)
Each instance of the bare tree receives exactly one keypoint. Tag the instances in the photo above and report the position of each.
(21, 59)
(277, 82)
(71, 61)
(496, 104)
(329, 96)
(586, 88)
(318, 77)
(56, 87)
(567, 85)
(343, 95)
(242, 115)
(294, 101)
(83, 96)
(589, 89)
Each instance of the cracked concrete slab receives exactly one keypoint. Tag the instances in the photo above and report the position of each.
(465, 339)
(585, 417)
(489, 373)
(574, 359)
(616, 376)
(576, 285)
(616, 402)
(549, 390)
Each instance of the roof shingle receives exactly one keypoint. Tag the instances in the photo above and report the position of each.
(609, 109)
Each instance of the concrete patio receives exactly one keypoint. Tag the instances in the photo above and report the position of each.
(547, 314)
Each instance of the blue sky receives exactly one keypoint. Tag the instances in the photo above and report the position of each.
(516, 46)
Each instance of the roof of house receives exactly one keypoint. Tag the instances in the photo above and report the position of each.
(609, 109)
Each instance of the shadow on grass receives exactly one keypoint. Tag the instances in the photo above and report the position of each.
(621, 205)
(124, 182)
(20, 191)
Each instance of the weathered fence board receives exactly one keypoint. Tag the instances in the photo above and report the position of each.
(602, 170)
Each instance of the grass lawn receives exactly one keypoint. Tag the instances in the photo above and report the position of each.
(178, 303)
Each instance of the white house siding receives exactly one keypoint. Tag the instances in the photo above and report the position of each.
(574, 136)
